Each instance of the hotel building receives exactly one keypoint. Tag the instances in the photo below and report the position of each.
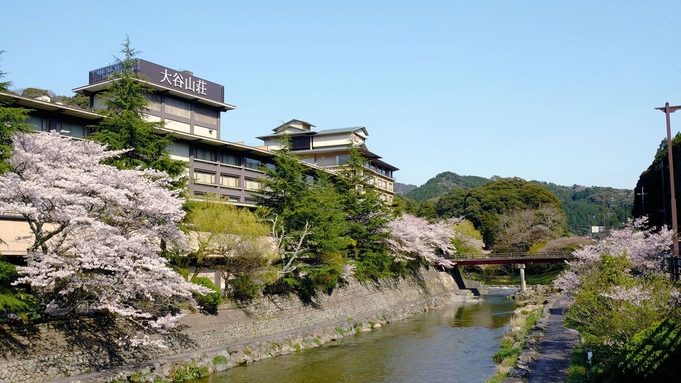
(330, 149)
(190, 108)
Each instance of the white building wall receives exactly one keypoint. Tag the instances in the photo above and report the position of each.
(178, 126)
(331, 140)
(205, 132)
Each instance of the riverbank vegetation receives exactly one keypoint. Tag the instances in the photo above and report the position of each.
(520, 324)
(626, 306)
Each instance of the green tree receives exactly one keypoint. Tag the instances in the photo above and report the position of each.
(12, 120)
(404, 205)
(494, 209)
(15, 300)
(367, 217)
(35, 92)
(654, 182)
(467, 240)
(308, 222)
(124, 126)
(78, 100)
(452, 203)
(230, 240)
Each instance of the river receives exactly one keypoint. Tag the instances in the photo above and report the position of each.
(453, 344)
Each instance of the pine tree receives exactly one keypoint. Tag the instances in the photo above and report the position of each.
(12, 120)
(124, 126)
(367, 219)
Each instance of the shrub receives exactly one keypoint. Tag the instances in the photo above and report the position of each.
(243, 288)
(208, 302)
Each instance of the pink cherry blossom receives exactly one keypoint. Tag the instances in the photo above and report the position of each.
(412, 237)
(98, 231)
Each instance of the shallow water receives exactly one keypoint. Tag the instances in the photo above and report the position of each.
(453, 344)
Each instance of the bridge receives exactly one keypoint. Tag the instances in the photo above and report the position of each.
(510, 258)
(520, 259)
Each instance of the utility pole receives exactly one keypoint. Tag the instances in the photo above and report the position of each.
(675, 226)
(605, 228)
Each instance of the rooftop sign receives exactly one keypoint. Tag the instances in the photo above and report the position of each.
(182, 81)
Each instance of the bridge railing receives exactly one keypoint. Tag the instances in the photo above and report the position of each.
(557, 254)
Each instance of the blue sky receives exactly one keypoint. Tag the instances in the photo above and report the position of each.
(556, 91)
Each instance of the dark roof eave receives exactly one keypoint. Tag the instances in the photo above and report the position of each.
(31, 103)
(100, 86)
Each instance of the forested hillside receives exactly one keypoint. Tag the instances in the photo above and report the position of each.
(444, 182)
(584, 206)
(592, 206)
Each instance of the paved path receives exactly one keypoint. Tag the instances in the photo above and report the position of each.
(555, 348)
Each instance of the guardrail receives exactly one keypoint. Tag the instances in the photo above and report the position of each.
(558, 254)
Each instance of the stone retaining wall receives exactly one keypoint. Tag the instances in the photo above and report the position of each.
(92, 349)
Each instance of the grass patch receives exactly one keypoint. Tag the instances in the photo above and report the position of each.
(188, 372)
(513, 341)
(580, 371)
(220, 359)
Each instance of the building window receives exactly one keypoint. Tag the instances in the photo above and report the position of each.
(309, 160)
(229, 181)
(205, 154)
(231, 159)
(38, 123)
(178, 107)
(252, 184)
(300, 143)
(204, 178)
(252, 164)
(342, 159)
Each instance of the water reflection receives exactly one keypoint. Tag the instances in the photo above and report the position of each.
(454, 344)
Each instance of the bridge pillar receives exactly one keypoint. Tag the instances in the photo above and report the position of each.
(523, 287)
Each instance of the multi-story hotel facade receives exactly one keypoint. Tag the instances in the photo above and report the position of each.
(330, 149)
(190, 108)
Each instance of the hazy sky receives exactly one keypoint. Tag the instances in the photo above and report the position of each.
(556, 91)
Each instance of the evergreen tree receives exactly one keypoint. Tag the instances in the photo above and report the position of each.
(309, 223)
(124, 126)
(12, 120)
(367, 219)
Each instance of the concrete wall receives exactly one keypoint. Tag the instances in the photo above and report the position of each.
(70, 348)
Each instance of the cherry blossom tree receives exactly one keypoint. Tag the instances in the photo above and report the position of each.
(641, 246)
(623, 301)
(98, 232)
(412, 237)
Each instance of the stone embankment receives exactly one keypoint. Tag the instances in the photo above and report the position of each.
(95, 349)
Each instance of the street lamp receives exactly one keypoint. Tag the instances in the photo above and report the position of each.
(675, 226)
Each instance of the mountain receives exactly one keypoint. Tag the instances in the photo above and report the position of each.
(444, 182)
(584, 206)
(403, 189)
(592, 206)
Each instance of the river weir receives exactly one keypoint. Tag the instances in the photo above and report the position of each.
(452, 344)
